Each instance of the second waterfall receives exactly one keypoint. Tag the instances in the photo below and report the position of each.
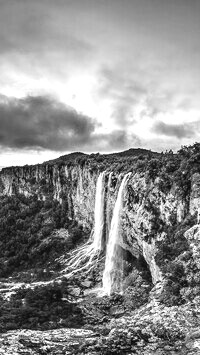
(113, 272)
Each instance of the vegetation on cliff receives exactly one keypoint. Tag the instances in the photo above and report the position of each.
(36, 230)
(27, 234)
(39, 308)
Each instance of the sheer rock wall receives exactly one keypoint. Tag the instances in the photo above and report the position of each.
(145, 206)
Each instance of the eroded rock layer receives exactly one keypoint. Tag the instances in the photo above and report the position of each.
(158, 238)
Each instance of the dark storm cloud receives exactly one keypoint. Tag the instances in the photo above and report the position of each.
(37, 122)
(42, 122)
(185, 130)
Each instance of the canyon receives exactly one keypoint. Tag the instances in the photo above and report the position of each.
(138, 254)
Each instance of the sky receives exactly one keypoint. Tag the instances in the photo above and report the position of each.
(97, 76)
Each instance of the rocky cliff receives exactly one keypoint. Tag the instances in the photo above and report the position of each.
(148, 208)
(73, 185)
(159, 239)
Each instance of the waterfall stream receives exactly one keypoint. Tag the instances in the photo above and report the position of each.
(99, 212)
(112, 276)
(83, 258)
(109, 180)
(108, 208)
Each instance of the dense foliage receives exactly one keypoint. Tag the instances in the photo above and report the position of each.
(28, 228)
(27, 238)
(42, 308)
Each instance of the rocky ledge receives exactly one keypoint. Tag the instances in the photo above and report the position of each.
(57, 341)
(153, 329)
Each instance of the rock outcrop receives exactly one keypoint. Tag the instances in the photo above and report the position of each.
(146, 207)
(158, 312)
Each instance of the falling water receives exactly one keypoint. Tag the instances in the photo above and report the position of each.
(113, 266)
(109, 180)
(108, 209)
(99, 212)
(83, 259)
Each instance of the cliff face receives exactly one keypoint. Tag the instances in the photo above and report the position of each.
(73, 185)
(158, 311)
(146, 207)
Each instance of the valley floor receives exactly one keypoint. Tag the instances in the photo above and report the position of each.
(153, 329)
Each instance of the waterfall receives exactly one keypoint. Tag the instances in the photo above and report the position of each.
(99, 212)
(108, 210)
(109, 180)
(84, 258)
(113, 270)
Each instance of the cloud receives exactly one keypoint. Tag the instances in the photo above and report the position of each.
(125, 92)
(185, 130)
(135, 88)
(115, 141)
(36, 27)
(136, 91)
(41, 122)
(38, 40)
(143, 59)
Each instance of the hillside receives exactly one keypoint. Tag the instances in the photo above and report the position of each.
(56, 222)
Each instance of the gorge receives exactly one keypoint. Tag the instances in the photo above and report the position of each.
(125, 224)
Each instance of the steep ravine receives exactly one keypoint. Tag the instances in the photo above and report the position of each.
(146, 208)
(159, 239)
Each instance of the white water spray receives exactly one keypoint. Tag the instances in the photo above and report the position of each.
(83, 259)
(113, 271)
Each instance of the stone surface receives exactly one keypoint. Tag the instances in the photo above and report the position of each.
(58, 341)
(144, 202)
(151, 329)
(117, 328)
(195, 193)
(193, 237)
